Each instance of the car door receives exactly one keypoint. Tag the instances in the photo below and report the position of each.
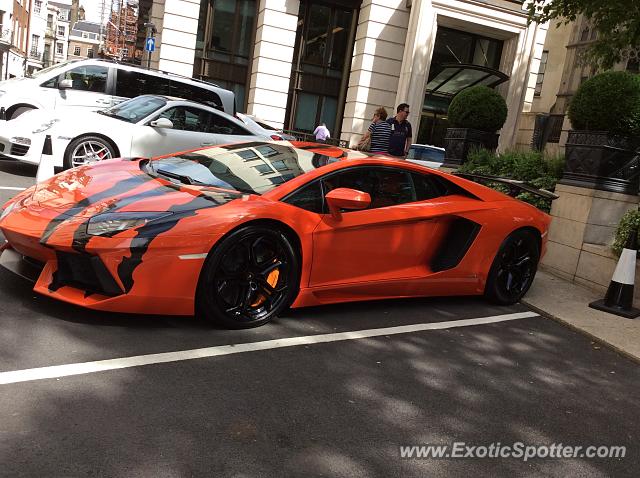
(89, 88)
(390, 240)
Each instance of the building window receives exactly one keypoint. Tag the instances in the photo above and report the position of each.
(85, 35)
(35, 39)
(60, 31)
(59, 48)
(76, 51)
(224, 43)
(541, 70)
(323, 52)
(89, 52)
(37, 5)
(50, 21)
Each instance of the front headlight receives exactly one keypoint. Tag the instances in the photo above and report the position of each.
(5, 212)
(113, 222)
(45, 126)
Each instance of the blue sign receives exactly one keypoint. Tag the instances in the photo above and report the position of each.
(150, 44)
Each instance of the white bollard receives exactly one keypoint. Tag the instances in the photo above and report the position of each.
(45, 168)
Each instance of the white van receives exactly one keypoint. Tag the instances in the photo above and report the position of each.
(96, 84)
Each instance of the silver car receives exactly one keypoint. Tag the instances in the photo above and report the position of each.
(258, 126)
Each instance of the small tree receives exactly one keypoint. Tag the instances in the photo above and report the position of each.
(616, 21)
(478, 107)
(609, 102)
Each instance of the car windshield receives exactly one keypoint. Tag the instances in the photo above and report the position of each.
(44, 71)
(135, 109)
(426, 154)
(253, 168)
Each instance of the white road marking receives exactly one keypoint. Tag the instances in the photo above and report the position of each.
(12, 188)
(56, 371)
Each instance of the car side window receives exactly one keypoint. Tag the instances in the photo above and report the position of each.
(386, 186)
(130, 84)
(221, 125)
(195, 93)
(428, 187)
(308, 198)
(185, 118)
(88, 78)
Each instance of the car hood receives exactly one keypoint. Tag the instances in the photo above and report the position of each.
(120, 185)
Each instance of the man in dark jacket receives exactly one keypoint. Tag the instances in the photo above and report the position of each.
(400, 132)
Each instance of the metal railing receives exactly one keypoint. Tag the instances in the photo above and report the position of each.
(310, 137)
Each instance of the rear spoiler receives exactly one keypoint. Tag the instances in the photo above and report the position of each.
(515, 186)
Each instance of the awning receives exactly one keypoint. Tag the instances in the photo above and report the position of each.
(455, 77)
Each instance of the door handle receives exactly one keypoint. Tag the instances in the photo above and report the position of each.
(207, 144)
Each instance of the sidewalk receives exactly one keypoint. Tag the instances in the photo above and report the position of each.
(569, 303)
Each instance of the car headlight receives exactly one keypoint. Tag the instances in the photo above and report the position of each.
(113, 222)
(5, 212)
(45, 126)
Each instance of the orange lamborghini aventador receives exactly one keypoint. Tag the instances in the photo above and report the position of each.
(237, 233)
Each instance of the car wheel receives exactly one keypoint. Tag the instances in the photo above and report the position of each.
(18, 111)
(87, 149)
(248, 278)
(513, 268)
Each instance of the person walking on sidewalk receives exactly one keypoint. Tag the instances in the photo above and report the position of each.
(401, 133)
(321, 133)
(379, 132)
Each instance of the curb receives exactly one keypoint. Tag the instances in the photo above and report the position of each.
(595, 338)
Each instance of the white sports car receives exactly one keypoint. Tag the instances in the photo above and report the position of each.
(148, 125)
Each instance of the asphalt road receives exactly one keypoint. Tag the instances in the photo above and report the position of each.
(332, 409)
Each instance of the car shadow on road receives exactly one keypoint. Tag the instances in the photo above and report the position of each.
(18, 168)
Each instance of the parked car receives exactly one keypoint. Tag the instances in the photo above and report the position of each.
(148, 125)
(246, 230)
(96, 84)
(258, 126)
(427, 155)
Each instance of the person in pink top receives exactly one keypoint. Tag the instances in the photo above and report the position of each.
(321, 133)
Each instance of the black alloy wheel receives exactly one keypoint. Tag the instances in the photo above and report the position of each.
(513, 268)
(249, 278)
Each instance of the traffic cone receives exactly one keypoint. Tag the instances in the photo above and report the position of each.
(619, 297)
(45, 168)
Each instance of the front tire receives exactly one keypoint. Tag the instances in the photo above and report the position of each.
(87, 149)
(248, 278)
(513, 269)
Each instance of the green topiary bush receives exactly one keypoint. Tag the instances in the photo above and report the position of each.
(478, 107)
(629, 221)
(609, 102)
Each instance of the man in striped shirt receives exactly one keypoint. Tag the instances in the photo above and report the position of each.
(379, 131)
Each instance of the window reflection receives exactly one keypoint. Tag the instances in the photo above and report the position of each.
(253, 168)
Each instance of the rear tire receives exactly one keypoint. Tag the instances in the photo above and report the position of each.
(248, 279)
(513, 269)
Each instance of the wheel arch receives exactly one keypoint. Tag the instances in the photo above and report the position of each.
(9, 112)
(534, 232)
(289, 232)
(97, 135)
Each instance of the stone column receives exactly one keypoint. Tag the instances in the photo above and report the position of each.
(176, 38)
(528, 45)
(272, 57)
(376, 65)
(421, 39)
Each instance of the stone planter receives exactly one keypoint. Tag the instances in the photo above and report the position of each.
(596, 160)
(459, 141)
